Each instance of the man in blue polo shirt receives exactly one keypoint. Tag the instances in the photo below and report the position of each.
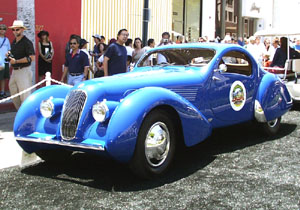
(76, 65)
(115, 57)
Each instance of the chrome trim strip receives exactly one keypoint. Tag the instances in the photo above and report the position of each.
(61, 143)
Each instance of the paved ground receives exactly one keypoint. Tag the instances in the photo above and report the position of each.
(10, 152)
(237, 168)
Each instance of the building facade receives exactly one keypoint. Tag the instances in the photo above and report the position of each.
(193, 19)
(107, 17)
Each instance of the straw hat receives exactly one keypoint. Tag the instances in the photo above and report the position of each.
(18, 24)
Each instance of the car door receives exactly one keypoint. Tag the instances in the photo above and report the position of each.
(232, 88)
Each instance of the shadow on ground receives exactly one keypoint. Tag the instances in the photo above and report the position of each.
(96, 172)
(296, 106)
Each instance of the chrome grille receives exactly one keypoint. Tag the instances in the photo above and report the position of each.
(71, 113)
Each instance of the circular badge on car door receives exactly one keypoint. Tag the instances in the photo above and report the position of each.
(237, 95)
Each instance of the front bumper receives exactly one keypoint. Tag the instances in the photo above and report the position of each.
(87, 144)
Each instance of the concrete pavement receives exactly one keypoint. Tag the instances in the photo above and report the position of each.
(11, 153)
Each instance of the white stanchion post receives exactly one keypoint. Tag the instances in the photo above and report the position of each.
(48, 78)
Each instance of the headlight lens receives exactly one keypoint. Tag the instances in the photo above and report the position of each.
(100, 111)
(47, 108)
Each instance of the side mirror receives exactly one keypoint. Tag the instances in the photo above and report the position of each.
(222, 68)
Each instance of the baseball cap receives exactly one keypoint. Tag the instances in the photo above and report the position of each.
(97, 36)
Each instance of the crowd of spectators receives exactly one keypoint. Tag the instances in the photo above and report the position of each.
(111, 58)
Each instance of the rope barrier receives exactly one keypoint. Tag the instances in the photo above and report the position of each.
(48, 81)
(61, 83)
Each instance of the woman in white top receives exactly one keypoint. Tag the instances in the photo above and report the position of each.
(138, 51)
(99, 72)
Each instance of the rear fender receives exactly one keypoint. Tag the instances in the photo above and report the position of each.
(124, 125)
(273, 98)
(29, 118)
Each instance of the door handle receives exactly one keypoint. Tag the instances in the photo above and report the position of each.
(216, 78)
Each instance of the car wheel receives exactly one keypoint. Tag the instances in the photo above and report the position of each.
(271, 127)
(155, 146)
(54, 155)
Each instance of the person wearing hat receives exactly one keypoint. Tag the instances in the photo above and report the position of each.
(83, 47)
(96, 53)
(76, 65)
(46, 53)
(97, 40)
(20, 57)
(4, 65)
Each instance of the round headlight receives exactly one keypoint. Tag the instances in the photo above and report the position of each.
(100, 111)
(47, 108)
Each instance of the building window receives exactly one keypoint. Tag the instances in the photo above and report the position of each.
(230, 19)
(186, 18)
(229, 3)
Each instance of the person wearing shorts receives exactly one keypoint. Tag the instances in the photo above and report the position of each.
(4, 65)
(21, 56)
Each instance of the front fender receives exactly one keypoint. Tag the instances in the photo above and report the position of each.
(273, 97)
(29, 118)
(124, 125)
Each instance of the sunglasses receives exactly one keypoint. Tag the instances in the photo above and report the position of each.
(16, 29)
(73, 43)
(3, 29)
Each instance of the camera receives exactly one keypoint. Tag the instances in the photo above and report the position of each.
(9, 56)
(165, 40)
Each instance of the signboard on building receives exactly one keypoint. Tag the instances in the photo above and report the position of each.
(252, 8)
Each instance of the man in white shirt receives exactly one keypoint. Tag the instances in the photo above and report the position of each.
(164, 41)
(151, 44)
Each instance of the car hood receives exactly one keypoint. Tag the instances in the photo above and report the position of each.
(117, 86)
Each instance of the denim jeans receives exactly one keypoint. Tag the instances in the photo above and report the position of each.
(74, 80)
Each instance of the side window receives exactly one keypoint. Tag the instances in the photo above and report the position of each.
(179, 57)
(149, 60)
(237, 63)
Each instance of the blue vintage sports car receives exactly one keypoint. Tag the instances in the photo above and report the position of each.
(175, 94)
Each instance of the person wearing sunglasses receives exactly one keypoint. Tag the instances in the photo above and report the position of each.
(4, 65)
(77, 63)
(20, 57)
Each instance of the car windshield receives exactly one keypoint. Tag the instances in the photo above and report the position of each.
(179, 57)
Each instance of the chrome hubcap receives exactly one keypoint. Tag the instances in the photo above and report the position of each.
(157, 144)
(272, 123)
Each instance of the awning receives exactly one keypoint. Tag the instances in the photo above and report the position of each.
(279, 32)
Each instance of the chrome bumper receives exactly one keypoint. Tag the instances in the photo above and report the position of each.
(62, 143)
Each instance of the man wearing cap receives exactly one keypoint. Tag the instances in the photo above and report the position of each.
(4, 65)
(96, 51)
(21, 55)
(76, 65)
(83, 47)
